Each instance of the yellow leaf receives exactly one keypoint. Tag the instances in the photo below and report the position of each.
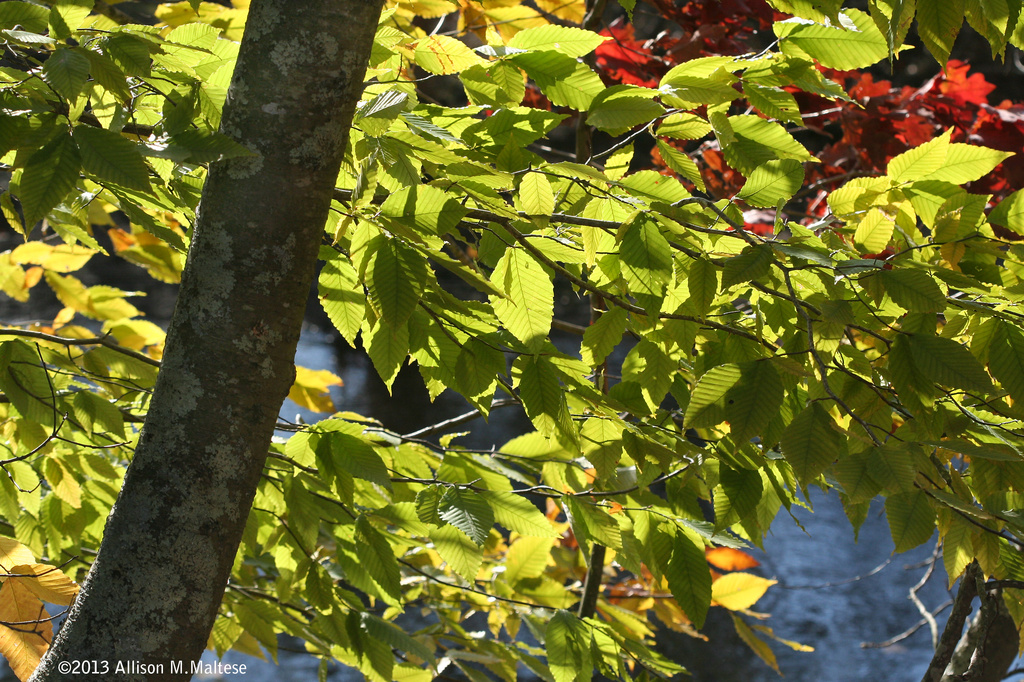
(737, 591)
(13, 553)
(60, 257)
(24, 647)
(757, 645)
(572, 11)
(428, 9)
(63, 483)
(444, 55)
(952, 252)
(311, 389)
(63, 317)
(527, 558)
(98, 302)
(49, 583)
(509, 21)
(12, 278)
(795, 646)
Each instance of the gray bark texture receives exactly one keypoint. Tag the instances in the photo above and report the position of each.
(988, 647)
(153, 592)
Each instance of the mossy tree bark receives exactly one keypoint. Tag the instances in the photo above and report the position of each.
(154, 590)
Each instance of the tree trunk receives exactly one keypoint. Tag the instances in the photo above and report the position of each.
(153, 592)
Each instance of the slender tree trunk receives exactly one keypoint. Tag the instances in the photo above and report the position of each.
(154, 590)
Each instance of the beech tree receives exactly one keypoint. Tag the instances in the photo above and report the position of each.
(763, 320)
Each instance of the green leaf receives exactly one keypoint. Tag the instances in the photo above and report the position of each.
(527, 558)
(811, 442)
(441, 55)
(938, 24)
(427, 501)
(874, 231)
(535, 195)
(893, 19)
(957, 547)
(378, 559)
(528, 307)
(66, 71)
(773, 102)
(599, 526)
(688, 88)
(707, 402)
(702, 280)
(852, 473)
(774, 182)
(424, 208)
(688, 575)
(753, 262)
(737, 495)
(467, 511)
(498, 84)
(109, 156)
(966, 163)
(561, 647)
(684, 126)
(462, 554)
(911, 519)
(564, 80)
(67, 16)
(946, 362)
(387, 347)
(601, 337)
(920, 162)
(519, 514)
(752, 402)
(543, 398)
(835, 47)
(395, 637)
(646, 257)
(357, 457)
(1010, 212)
(49, 175)
(570, 41)
(681, 163)
(621, 107)
(395, 278)
(913, 290)
(1006, 360)
(28, 16)
(757, 141)
(342, 297)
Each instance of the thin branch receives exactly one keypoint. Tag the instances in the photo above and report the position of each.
(455, 421)
(104, 341)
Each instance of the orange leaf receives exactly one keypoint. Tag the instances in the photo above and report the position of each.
(49, 583)
(729, 559)
(24, 636)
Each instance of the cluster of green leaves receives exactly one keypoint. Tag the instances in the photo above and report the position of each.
(728, 367)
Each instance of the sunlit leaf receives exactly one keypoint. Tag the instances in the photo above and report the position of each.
(738, 591)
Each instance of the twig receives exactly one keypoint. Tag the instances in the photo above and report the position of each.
(455, 421)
